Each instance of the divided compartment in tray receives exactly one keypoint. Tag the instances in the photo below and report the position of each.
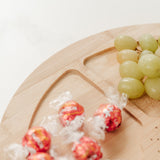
(106, 66)
(117, 143)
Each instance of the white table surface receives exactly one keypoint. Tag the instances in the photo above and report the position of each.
(33, 30)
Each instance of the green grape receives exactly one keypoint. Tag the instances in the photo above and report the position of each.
(157, 53)
(127, 55)
(150, 65)
(148, 42)
(152, 87)
(145, 52)
(132, 87)
(130, 69)
(125, 42)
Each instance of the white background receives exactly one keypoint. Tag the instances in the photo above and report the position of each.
(33, 30)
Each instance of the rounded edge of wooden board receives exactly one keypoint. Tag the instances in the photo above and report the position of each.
(37, 76)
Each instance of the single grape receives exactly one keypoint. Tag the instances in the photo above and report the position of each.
(152, 87)
(132, 87)
(125, 42)
(145, 52)
(130, 69)
(157, 53)
(150, 65)
(148, 42)
(127, 55)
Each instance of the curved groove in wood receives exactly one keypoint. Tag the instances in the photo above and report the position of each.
(86, 59)
(45, 94)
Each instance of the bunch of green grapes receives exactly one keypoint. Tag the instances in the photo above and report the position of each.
(139, 69)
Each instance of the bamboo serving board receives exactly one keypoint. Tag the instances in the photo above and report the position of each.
(87, 69)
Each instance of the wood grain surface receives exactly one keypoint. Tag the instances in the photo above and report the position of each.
(87, 69)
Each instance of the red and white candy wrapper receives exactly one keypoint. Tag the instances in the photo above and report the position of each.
(38, 139)
(86, 148)
(111, 114)
(40, 156)
(69, 111)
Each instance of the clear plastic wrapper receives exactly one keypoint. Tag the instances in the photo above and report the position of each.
(115, 98)
(16, 152)
(95, 127)
(60, 100)
(51, 124)
(71, 133)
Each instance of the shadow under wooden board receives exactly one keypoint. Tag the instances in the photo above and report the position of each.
(87, 69)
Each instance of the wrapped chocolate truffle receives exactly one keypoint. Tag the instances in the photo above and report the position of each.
(40, 156)
(38, 139)
(69, 111)
(86, 148)
(111, 114)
